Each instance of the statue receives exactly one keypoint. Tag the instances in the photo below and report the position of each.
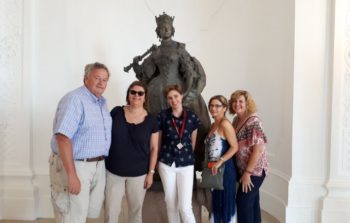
(170, 63)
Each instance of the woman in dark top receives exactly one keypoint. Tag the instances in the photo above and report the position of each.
(132, 156)
(178, 131)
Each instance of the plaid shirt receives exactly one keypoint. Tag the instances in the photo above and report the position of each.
(84, 119)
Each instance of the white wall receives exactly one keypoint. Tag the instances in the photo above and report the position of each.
(241, 45)
(276, 49)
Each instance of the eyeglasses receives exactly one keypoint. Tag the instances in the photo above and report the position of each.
(215, 106)
(139, 93)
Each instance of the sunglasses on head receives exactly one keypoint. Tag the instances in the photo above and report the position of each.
(139, 93)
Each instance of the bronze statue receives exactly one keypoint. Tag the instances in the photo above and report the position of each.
(170, 63)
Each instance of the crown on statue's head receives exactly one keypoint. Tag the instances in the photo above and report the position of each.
(164, 19)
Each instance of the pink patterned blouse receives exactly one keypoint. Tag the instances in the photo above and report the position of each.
(249, 134)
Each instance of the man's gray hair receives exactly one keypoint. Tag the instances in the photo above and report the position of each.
(92, 66)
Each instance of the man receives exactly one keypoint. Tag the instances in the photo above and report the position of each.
(81, 139)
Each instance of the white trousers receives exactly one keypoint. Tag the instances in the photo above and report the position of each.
(116, 187)
(69, 208)
(178, 186)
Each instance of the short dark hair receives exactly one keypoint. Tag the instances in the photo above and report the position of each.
(141, 84)
(172, 87)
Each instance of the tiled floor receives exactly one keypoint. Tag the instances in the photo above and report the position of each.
(265, 216)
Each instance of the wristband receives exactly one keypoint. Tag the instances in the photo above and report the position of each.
(222, 159)
(152, 171)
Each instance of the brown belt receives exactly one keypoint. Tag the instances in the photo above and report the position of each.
(94, 159)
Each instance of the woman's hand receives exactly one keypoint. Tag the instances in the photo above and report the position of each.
(148, 181)
(216, 166)
(246, 182)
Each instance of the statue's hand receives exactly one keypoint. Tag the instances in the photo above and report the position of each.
(153, 47)
(137, 59)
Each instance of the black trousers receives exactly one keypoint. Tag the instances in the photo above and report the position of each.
(248, 204)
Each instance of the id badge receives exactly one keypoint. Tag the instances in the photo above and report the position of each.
(179, 146)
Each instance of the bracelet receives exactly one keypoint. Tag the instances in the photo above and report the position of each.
(248, 171)
(152, 171)
(222, 159)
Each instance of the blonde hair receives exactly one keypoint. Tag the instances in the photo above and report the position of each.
(251, 105)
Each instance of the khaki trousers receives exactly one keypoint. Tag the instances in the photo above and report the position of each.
(116, 188)
(69, 208)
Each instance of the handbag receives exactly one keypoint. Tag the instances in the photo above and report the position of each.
(210, 181)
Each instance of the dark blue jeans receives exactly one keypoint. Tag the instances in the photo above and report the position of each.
(248, 204)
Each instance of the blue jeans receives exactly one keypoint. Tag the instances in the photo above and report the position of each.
(248, 204)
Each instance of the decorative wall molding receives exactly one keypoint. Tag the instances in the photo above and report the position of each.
(11, 36)
(303, 191)
(304, 196)
(24, 172)
(18, 198)
(338, 189)
(335, 209)
(274, 193)
(43, 198)
(336, 204)
(312, 181)
(273, 204)
(346, 93)
(283, 176)
(17, 192)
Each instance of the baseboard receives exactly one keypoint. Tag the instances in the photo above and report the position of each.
(42, 183)
(335, 209)
(273, 205)
(305, 196)
(18, 198)
(274, 194)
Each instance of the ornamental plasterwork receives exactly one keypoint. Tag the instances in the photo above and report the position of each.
(11, 12)
(346, 93)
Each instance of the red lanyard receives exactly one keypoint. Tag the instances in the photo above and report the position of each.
(182, 126)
